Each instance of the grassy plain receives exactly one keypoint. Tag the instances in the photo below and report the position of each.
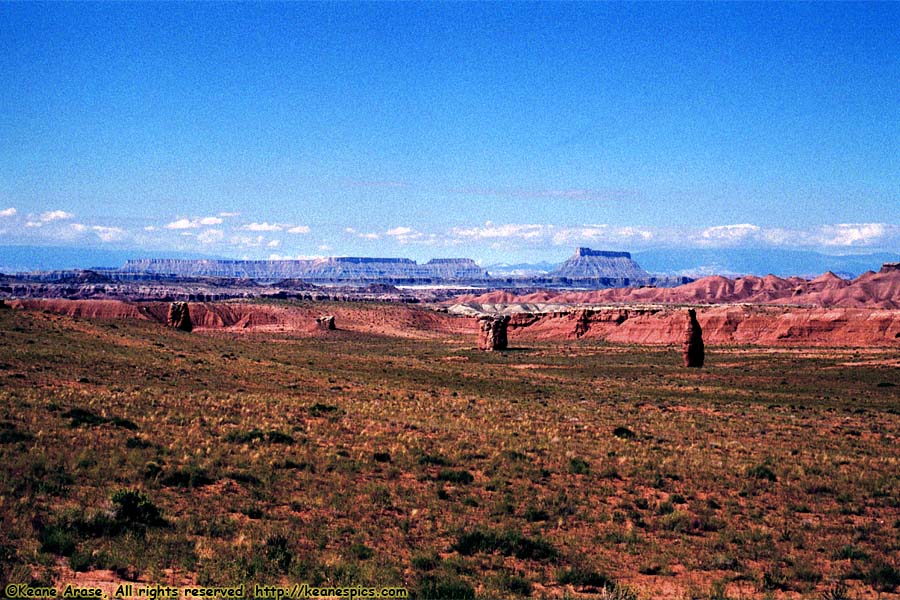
(348, 459)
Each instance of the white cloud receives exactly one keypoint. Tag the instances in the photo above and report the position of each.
(324, 247)
(298, 229)
(210, 236)
(406, 235)
(247, 241)
(274, 244)
(193, 223)
(229, 214)
(852, 234)
(183, 224)
(370, 235)
(55, 215)
(490, 231)
(729, 233)
(298, 257)
(47, 217)
(78, 227)
(8, 212)
(399, 231)
(262, 227)
(108, 234)
(151, 228)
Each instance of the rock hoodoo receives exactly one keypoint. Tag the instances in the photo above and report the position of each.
(326, 322)
(492, 332)
(179, 316)
(693, 342)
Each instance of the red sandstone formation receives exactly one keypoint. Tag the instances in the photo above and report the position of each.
(692, 350)
(870, 290)
(769, 325)
(179, 316)
(732, 324)
(396, 320)
(492, 334)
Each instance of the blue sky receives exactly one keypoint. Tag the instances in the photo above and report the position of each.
(503, 131)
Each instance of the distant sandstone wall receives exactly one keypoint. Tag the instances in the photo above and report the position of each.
(338, 269)
(722, 325)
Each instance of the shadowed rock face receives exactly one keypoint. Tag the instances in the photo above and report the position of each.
(492, 333)
(326, 322)
(179, 316)
(693, 342)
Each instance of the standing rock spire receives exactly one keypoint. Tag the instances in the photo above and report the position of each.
(179, 316)
(692, 351)
(492, 334)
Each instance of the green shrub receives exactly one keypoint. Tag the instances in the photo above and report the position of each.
(883, 577)
(508, 543)
(124, 423)
(187, 478)
(535, 515)
(56, 539)
(80, 561)
(80, 416)
(444, 587)
(623, 433)
(426, 562)
(579, 466)
(850, 552)
(244, 437)
(762, 471)
(134, 507)
(361, 552)
(278, 553)
(277, 437)
(515, 584)
(455, 476)
(581, 577)
(10, 435)
(433, 459)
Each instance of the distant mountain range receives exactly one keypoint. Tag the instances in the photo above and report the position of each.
(688, 262)
(15, 259)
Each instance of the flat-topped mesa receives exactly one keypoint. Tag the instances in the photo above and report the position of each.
(614, 268)
(323, 270)
(363, 260)
(582, 251)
